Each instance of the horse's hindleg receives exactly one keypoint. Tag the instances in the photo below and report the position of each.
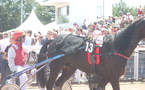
(55, 68)
(66, 74)
(115, 83)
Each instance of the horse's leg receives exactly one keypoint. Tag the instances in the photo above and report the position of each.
(66, 74)
(115, 83)
(55, 68)
(102, 83)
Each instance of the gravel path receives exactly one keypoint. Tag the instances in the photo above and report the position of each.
(123, 86)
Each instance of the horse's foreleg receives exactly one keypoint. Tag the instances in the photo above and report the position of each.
(115, 83)
(102, 83)
(55, 68)
(66, 74)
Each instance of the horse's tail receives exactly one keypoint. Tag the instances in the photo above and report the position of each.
(41, 76)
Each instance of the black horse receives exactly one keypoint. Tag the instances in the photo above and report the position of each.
(111, 67)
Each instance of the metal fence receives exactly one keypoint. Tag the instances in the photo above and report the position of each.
(135, 67)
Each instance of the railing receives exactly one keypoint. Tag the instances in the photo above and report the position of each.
(135, 67)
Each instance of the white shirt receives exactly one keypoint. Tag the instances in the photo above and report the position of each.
(28, 41)
(4, 43)
(11, 58)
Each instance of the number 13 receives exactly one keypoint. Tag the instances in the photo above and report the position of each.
(89, 47)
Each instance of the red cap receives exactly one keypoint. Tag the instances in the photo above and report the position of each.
(18, 34)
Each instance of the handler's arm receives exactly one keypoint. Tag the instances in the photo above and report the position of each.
(11, 58)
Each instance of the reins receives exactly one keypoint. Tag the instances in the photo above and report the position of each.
(121, 55)
(114, 53)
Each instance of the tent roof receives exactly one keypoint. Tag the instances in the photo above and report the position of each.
(31, 23)
(51, 26)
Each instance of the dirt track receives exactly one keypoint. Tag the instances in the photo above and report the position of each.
(123, 86)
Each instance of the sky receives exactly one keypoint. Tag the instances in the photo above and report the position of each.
(131, 3)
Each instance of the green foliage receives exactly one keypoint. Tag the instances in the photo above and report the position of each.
(121, 7)
(46, 14)
(10, 16)
(65, 19)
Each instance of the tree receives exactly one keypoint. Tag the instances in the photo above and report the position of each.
(121, 7)
(11, 13)
(46, 14)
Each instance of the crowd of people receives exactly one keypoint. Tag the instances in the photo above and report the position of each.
(13, 55)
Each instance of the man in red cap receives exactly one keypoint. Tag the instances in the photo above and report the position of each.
(17, 56)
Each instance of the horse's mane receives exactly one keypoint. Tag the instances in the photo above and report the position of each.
(122, 39)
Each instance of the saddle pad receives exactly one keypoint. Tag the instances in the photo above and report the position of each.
(69, 43)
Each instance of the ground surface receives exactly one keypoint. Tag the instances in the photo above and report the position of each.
(123, 86)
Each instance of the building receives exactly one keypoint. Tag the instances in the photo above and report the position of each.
(75, 11)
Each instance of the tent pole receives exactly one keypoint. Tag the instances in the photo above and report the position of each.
(21, 11)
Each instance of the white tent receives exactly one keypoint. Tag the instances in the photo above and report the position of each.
(32, 23)
(51, 26)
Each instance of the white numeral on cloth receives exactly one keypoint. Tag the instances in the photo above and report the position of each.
(89, 47)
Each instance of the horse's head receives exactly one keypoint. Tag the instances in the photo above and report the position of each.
(52, 48)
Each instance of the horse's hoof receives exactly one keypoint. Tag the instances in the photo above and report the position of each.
(99, 88)
(56, 88)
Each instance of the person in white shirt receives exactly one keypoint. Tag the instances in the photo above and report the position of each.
(17, 56)
(3, 44)
(28, 39)
(130, 18)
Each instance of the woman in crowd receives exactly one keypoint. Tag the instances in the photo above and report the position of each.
(5, 66)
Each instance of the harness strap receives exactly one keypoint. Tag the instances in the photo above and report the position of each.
(89, 59)
(97, 56)
(121, 55)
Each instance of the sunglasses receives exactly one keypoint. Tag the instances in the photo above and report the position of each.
(23, 36)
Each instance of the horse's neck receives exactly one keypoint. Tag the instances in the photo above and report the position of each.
(136, 36)
(133, 44)
(128, 42)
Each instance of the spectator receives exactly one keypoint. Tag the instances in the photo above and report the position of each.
(80, 32)
(5, 67)
(97, 19)
(33, 41)
(71, 30)
(104, 31)
(140, 12)
(3, 44)
(1, 54)
(90, 33)
(130, 18)
(39, 38)
(28, 40)
(47, 37)
(17, 57)
(123, 22)
(76, 26)
(54, 34)
(84, 26)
